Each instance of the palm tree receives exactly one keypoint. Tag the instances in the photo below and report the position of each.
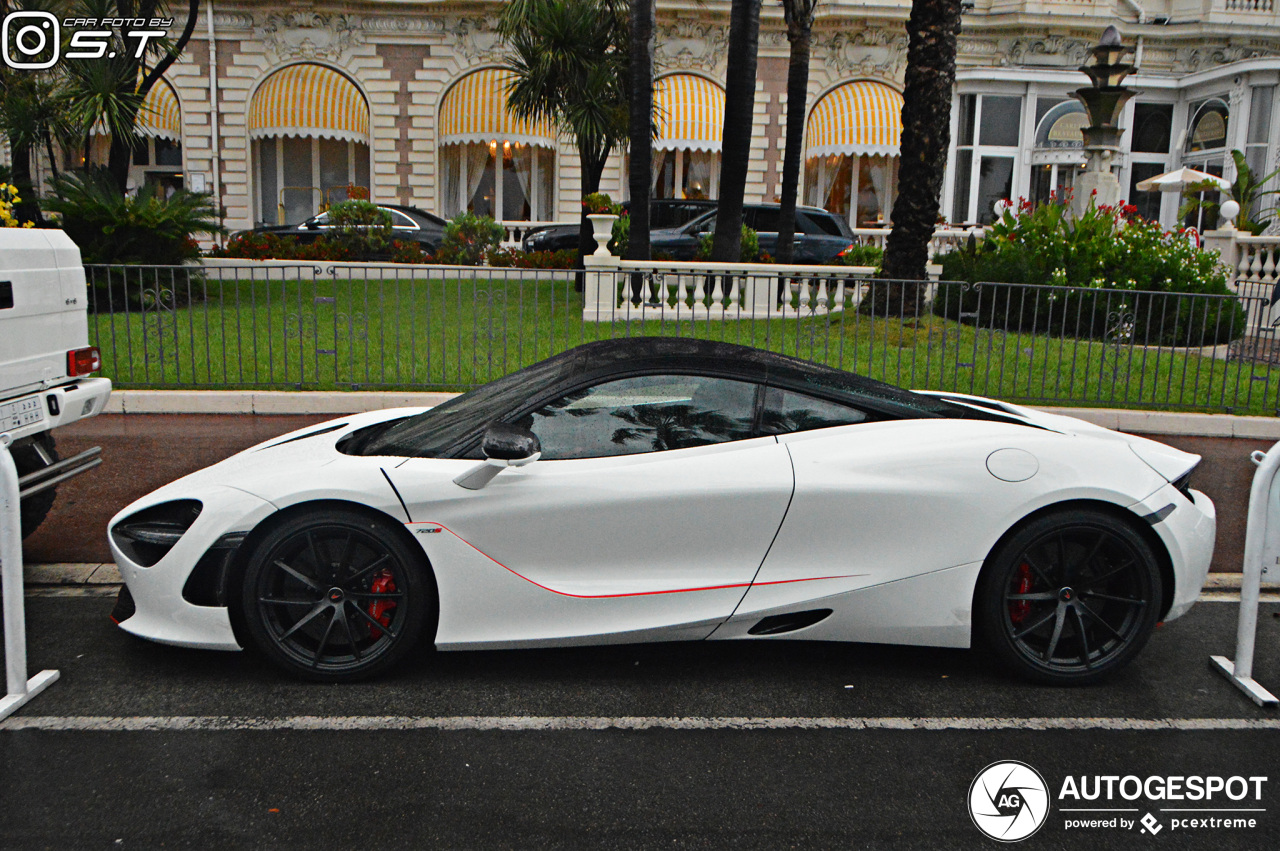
(641, 126)
(570, 60)
(926, 133)
(739, 104)
(799, 18)
(109, 91)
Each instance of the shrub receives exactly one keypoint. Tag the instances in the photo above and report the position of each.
(362, 227)
(270, 246)
(1109, 250)
(408, 251)
(8, 200)
(517, 259)
(468, 238)
(111, 227)
(861, 255)
(599, 202)
(750, 246)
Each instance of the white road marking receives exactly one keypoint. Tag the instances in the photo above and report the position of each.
(521, 723)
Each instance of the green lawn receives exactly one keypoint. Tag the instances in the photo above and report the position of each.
(452, 334)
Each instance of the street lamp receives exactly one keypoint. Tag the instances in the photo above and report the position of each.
(1103, 101)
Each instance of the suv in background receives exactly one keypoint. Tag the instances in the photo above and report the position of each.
(819, 236)
(663, 213)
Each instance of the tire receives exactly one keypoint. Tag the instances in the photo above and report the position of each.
(1070, 598)
(336, 596)
(33, 455)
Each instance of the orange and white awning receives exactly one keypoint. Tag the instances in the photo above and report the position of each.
(311, 101)
(475, 110)
(855, 119)
(689, 111)
(160, 115)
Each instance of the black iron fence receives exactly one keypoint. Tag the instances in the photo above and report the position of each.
(360, 326)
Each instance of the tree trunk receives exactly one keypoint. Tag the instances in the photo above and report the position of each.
(799, 31)
(926, 134)
(739, 106)
(641, 127)
(27, 210)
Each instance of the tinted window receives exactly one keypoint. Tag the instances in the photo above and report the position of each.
(786, 411)
(816, 224)
(763, 220)
(400, 220)
(430, 434)
(651, 413)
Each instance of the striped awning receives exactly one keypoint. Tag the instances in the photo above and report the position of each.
(311, 101)
(689, 111)
(160, 115)
(475, 110)
(857, 118)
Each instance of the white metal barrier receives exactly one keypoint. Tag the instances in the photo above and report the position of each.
(19, 688)
(1261, 549)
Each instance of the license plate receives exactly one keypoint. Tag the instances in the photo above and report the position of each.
(24, 412)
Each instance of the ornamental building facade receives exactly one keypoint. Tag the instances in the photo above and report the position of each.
(406, 97)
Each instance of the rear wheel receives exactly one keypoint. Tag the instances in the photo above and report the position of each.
(336, 596)
(30, 456)
(1070, 598)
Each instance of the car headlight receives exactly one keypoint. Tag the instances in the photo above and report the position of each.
(147, 536)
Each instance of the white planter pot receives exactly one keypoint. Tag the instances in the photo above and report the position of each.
(602, 230)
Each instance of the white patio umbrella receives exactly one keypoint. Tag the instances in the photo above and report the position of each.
(1176, 181)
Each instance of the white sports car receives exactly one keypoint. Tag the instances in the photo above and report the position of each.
(674, 489)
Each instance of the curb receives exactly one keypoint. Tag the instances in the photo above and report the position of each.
(267, 402)
(108, 574)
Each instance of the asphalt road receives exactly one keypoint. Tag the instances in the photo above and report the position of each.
(708, 745)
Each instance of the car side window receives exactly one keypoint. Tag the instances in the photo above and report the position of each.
(401, 221)
(766, 221)
(650, 413)
(819, 224)
(786, 411)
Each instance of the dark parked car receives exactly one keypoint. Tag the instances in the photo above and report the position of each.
(663, 213)
(820, 235)
(408, 224)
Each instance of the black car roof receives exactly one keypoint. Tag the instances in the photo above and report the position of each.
(632, 355)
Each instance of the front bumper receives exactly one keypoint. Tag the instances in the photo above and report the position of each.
(1188, 532)
(161, 613)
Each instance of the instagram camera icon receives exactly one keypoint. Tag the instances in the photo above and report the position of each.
(30, 41)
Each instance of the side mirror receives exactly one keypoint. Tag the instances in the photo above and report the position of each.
(511, 444)
(503, 446)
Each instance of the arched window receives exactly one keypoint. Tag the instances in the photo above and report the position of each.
(492, 162)
(851, 152)
(1205, 150)
(1058, 155)
(689, 111)
(158, 156)
(1208, 128)
(310, 130)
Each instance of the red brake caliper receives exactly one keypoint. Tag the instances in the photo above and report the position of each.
(380, 610)
(1019, 609)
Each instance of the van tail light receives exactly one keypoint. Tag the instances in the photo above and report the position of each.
(83, 361)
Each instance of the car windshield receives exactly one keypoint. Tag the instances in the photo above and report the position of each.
(430, 433)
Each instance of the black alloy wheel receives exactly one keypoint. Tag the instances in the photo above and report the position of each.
(1070, 598)
(336, 596)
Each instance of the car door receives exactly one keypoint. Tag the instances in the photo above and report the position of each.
(651, 508)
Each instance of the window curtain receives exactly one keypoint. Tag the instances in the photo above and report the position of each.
(697, 174)
(881, 171)
(659, 162)
(824, 179)
(450, 165)
(478, 158)
(522, 160)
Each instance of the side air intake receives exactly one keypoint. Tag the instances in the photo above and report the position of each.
(790, 622)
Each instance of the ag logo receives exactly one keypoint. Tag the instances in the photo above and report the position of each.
(1008, 801)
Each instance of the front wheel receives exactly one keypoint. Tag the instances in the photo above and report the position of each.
(29, 457)
(1070, 598)
(336, 596)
